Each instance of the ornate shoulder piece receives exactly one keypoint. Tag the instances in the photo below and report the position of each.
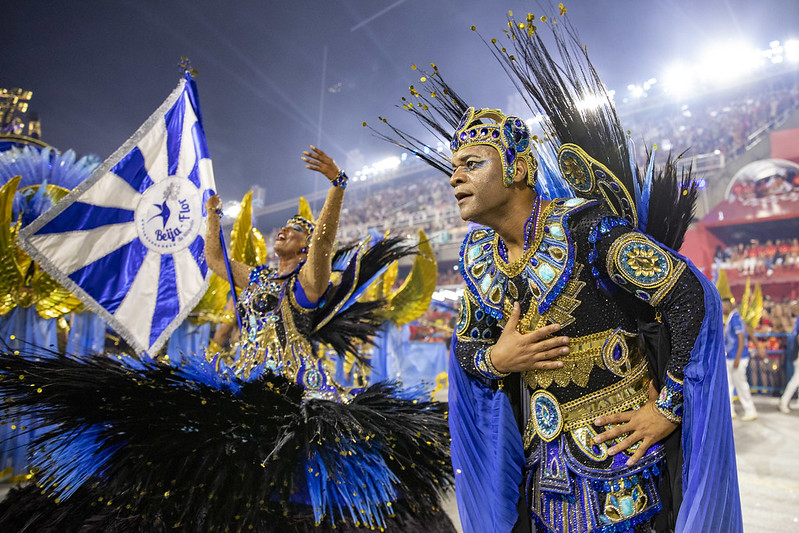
(642, 267)
(486, 282)
(552, 265)
(592, 179)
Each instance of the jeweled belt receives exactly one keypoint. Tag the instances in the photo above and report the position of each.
(549, 418)
(616, 350)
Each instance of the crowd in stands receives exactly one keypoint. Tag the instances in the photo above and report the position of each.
(449, 276)
(759, 259)
(707, 125)
(782, 186)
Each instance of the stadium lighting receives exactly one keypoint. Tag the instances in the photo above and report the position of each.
(232, 209)
(388, 163)
(729, 61)
(637, 91)
(791, 51)
(678, 80)
(532, 121)
(592, 102)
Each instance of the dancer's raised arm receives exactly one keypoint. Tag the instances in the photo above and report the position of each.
(213, 247)
(315, 273)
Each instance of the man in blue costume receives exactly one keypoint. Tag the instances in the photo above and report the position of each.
(736, 344)
(549, 324)
(587, 373)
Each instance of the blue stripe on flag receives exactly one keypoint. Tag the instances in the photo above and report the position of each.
(97, 281)
(168, 302)
(194, 175)
(131, 169)
(80, 216)
(200, 146)
(195, 104)
(197, 249)
(174, 133)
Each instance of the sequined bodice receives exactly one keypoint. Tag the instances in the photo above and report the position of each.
(275, 334)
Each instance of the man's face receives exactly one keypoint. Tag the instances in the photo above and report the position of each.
(477, 183)
(291, 239)
(726, 306)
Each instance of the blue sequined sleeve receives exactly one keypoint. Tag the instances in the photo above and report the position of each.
(476, 333)
(640, 266)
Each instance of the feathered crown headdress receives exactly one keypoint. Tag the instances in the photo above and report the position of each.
(723, 287)
(508, 134)
(585, 151)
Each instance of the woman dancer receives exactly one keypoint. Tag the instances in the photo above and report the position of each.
(272, 444)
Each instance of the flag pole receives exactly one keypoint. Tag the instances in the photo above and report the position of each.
(185, 65)
(229, 270)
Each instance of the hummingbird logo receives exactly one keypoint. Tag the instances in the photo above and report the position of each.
(163, 213)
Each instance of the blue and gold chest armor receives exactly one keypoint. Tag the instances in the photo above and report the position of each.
(559, 279)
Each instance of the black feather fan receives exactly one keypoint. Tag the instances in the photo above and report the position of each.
(154, 447)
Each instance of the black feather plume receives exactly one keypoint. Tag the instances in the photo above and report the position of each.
(359, 322)
(185, 448)
(674, 194)
(439, 108)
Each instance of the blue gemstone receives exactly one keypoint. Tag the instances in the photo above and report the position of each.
(495, 134)
(472, 133)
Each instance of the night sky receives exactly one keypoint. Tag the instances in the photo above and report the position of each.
(99, 68)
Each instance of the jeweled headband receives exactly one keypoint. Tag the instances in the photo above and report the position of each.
(508, 134)
(306, 224)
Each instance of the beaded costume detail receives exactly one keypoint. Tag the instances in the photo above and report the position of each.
(275, 331)
(605, 371)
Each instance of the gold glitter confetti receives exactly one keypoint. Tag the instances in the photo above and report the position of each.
(474, 28)
(562, 9)
(543, 18)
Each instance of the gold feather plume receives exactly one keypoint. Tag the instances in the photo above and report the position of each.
(22, 282)
(413, 297)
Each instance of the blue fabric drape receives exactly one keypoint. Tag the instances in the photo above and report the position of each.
(33, 335)
(86, 334)
(710, 480)
(487, 453)
(188, 340)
